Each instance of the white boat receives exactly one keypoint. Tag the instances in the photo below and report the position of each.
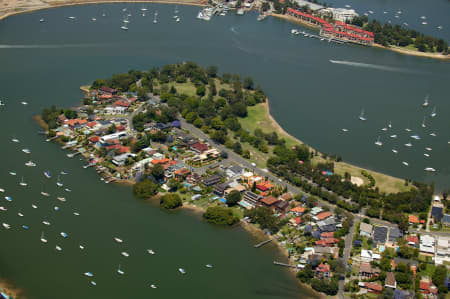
(429, 149)
(124, 27)
(433, 113)
(30, 164)
(118, 240)
(417, 137)
(93, 283)
(81, 247)
(76, 214)
(46, 223)
(390, 125)
(45, 194)
(344, 130)
(378, 142)
(125, 20)
(423, 122)
(181, 270)
(371, 12)
(406, 24)
(15, 140)
(426, 155)
(63, 234)
(24, 103)
(394, 151)
(12, 173)
(63, 199)
(22, 183)
(393, 136)
(8, 198)
(47, 174)
(423, 17)
(64, 173)
(20, 214)
(125, 254)
(144, 8)
(26, 151)
(348, 6)
(2, 190)
(43, 239)
(433, 134)
(384, 129)
(177, 20)
(361, 116)
(58, 182)
(89, 274)
(208, 266)
(153, 286)
(424, 23)
(426, 102)
(56, 208)
(6, 225)
(1, 103)
(58, 248)
(408, 130)
(72, 18)
(120, 271)
(41, 20)
(439, 27)
(430, 169)
(3, 208)
(405, 163)
(34, 206)
(385, 12)
(67, 190)
(155, 17)
(150, 251)
(124, 9)
(408, 144)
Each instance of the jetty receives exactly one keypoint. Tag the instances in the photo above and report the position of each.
(262, 243)
(71, 155)
(89, 165)
(283, 264)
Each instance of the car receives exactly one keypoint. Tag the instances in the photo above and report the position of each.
(280, 180)
(253, 164)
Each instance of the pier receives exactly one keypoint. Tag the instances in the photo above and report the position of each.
(262, 243)
(283, 264)
(89, 165)
(71, 155)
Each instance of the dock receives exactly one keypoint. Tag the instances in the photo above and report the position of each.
(89, 165)
(283, 264)
(262, 243)
(71, 155)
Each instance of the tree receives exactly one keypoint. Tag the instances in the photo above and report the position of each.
(248, 83)
(403, 223)
(171, 201)
(70, 114)
(145, 189)
(211, 71)
(111, 129)
(220, 215)
(439, 275)
(157, 172)
(201, 90)
(237, 148)
(233, 197)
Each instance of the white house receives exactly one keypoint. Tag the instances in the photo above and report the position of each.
(115, 110)
(427, 243)
(341, 14)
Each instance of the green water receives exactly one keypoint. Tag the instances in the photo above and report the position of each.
(45, 63)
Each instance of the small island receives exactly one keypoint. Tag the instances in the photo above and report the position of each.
(188, 136)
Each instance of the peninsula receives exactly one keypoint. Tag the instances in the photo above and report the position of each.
(187, 135)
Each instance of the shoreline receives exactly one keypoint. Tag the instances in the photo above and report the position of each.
(8, 288)
(390, 48)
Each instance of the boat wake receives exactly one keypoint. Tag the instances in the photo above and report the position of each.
(372, 66)
(234, 30)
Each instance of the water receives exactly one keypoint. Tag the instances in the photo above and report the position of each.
(310, 96)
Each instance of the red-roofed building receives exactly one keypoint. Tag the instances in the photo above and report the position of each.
(269, 201)
(428, 288)
(94, 139)
(327, 235)
(412, 240)
(107, 90)
(323, 215)
(120, 128)
(121, 103)
(199, 147)
(327, 242)
(91, 124)
(323, 270)
(298, 210)
(373, 287)
(124, 149)
(413, 219)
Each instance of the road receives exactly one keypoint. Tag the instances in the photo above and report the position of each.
(346, 257)
(129, 118)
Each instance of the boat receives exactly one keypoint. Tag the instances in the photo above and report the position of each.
(417, 137)
(34, 206)
(393, 136)
(153, 286)
(43, 239)
(93, 283)
(150, 251)
(371, 12)
(64, 173)
(94, 19)
(408, 130)
(89, 274)
(15, 140)
(6, 225)
(384, 129)
(433, 134)
(423, 17)
(433, 113)
(430, 169)
(76, 214)
(426, 155)
(120, 271)
(348, 6)
(67, 190)
(394, 151)
(429, 149)
(46, 223)
(181, 270)
(41, 20)
(424, 23)
(361, 116)
(22, 183)
(25, 226)
(240, 12)
(20, 214)
(177, 20)
(155, 17)
(390, 125)
(26, 151)
(1, 103)
(24, 103)
(423, 123)
(408, 144)
(144, 8)
(56, 208)
(63, 234)
(3, 209)
(58, 248)
(63, 199)
(208, 266)
(344, 130)
(71, 18)
(261, 17)
(81, 247)
(47, 174)
(12, 173)
(45, 193)
(58, 182)
(8, 198)
(439, 27)
(406, 24)
(125, 254)
(118, 240)
(124, 27)
(405, 163)
(378, 142)
(2, 190)
(124, 9)
(30, 164)
(426, 102)
(385, 12)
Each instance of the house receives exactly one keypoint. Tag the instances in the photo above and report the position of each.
(327, 242)
(327, 225)
(437, 212)
(211, 180)
(107, 90)
(413, 219)
(446, 220)
(234, 171)
(380, 234)
(219, 189)
(120, 159)
(199, 147)
(109, 138)
(327, 235)
(373, 287)
(115, 110)
(252, 198)
(286, 197)
(269, 201)
(366, 270)
(365, 230)
(295, 221)
(324, 271)
(333, 251)
(426, 246)
(368, 256)
(298, 211)
(282, 206)
(413, 241)
(426, 287)
(322, 216)
(390, 281)
(442, 250)
(316, 210)
(394, 234)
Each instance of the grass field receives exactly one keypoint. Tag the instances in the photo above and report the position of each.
(259, 118)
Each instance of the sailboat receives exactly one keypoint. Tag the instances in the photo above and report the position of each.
(120, 271)
(408, 130)
(177, 19)
(153, 286)
(43, 239)
(433, 113)
(26, 150)
(30, 164)
(58, 248)
(125, 254)
(6, 225)
(58, 183)
(44, 193)
(423, 123)
(378, 142)
(12, 173)
(361, 116)
(63, 234)
(24, 103)
(15, 140)
(46, 223)
(181, 270)
(88, 274)
(150, 251)
(394, 151)
(405, 163)
(426, 103)
(426, 155)
(22, 183)
(47, 174)
(8, 198)
(155, 16)
(408, 144)
(144, 8)
(208, 266)
(390, 125)
(118, 240)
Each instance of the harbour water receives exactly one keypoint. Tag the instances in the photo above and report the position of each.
(312, 98)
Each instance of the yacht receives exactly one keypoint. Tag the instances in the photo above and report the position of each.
(43, 239)
(118, 240)
(429, 149)
(384, 129)
(406, 24)
(426, 103)
(2, 190)
(124, 27)
(371, 12)
(81, 247)
(426, 155)
(63, 199)
(94, 19)
(30, 164)
(348, 6)
(72, 18)
(6, 225)
(124, 9)
(25, 226)
(181, 270)
(439, 27)
(177, 20)
(150, 251)
(34, 206)
(424, 23)
(408, 130)
(430, 169)
(144, 8)
(344, 130)
(153, 286)
(1, 103)
(22, 183)
(58, 248)
(88, 274)
(408, 144)
(47, 174)
(67, 190)
(393, 136)
(417, 137)
(423, 123)
(390, 125)
(64, 173)
(120, 271)
(76, 214)
(125, 20)
(12, 173)
(208, 266)
(45, 193)
(93, 283)
(15, 140)
(63, 234)
(394, 151)
(56, 208)
(24, 103)
(423, 17)
(378, 142)
(58, 183)
(8, 198)
(20, 214)
(361, 116)
(405, 163)
(46, 223)
(26, 151)
(155, 17)
(433, 134)
(3, 209)
(433, 113)
(125, 254)
(41, 20)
